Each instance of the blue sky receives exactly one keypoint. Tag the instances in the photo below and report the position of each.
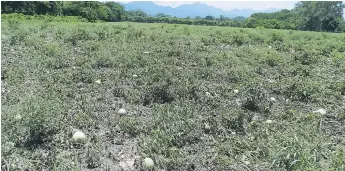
(229, 5)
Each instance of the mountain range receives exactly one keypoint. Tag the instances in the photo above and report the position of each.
(191, 10)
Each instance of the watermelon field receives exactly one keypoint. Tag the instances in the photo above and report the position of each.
(193, 98)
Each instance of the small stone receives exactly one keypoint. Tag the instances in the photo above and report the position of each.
(321, 111)
(272, 99)
(208, 94)
(207, 127)
(269, 121)
(236, 91)
(98, 81)
(270, 81)
(135, 76)
(18, 117)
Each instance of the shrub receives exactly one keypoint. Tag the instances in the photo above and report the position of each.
(257, 100)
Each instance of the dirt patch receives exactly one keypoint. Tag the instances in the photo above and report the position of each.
(124, 152)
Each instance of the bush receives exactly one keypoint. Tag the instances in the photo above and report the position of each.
(341, 27)
(257, 100)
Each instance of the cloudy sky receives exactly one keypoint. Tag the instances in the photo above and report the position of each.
(229, 5)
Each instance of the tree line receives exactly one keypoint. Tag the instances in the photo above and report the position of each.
(92, 10)
(308, 15)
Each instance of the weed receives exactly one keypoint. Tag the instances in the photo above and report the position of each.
(13, 24)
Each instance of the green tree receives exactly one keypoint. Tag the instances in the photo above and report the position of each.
(239, 18)
(32, 7)
(222, 18)
(209, 17)
(341, 27)
(91, 10)
(56, 7)
(284, 19)
(251, 22)
(320, 15)
(25, 7)
(160, 15)
(117, 11)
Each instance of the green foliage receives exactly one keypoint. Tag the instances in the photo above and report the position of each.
(341, 27)
(17, 17)
(13, 24)
(30, 8)
(116, 11)
(320, 16)
(284, 19)
(92, 11)
(257, 100)
(314, 16)
(19, 37)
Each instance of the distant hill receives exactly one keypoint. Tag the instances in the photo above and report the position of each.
(191, 10)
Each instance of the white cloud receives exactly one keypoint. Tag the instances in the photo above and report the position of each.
(173, 3)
